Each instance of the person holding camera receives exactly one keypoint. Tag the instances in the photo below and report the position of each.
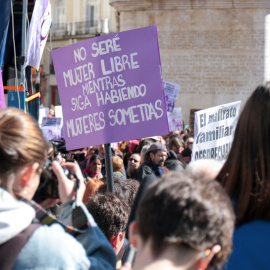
(27, 245)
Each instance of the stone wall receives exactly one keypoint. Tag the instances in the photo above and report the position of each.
(215, 49)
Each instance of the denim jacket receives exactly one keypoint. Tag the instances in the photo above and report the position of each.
(51, 247)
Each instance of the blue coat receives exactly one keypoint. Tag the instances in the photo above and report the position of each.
(50, 247)
(250, 247)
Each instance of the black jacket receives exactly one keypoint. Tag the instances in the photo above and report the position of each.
(147, 168)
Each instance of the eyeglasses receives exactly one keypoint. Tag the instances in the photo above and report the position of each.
(162, 156)
(132, 159)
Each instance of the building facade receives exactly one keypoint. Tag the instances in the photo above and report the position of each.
(73, 21)
(217, 50)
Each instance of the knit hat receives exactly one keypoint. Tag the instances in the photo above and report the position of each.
(157, 147)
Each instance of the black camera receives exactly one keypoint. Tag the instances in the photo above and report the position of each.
(78, 157)
(48, 185)
(59, 147)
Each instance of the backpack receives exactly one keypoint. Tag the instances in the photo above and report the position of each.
(10, 250)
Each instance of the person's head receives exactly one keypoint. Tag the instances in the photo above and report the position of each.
(111, 215)
(88, 151)
(134, 162)
(157, 153)
(142, 143)
(184, 132)
(22, 151)
(117, 163)
(132, 144)
(174, 165)
(94, 164)
(101, 150)
(91, 188)
(176, 144)
(245, 174)
(185, 156)
(208, 168)
(188, 139)
(182, 216)
(175, 132)
(125, 190)
(143, 152)
(123, 146)
(51, 111)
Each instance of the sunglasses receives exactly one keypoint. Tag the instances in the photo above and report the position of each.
(132, 159)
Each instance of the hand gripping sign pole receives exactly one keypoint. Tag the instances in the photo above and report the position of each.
(108, 167)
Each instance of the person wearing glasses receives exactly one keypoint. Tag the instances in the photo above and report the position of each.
(134, 163)
(154, 160)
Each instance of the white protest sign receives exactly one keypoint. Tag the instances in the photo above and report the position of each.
(175, 119)
(171, 91)
(214, 131)
(59, 113)
(51, 128)
(43, 112)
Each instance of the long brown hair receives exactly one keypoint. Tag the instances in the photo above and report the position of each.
(245, 175)
(21, 143)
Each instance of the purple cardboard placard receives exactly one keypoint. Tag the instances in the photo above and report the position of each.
(111, 88)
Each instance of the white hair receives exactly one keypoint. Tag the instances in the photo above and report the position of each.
(205, 168)
(144, 150)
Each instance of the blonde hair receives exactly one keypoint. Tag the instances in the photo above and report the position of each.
(21, 143)
(117, 163)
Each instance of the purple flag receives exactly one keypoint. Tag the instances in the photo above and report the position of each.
(38, 32)
(111, 88)
(2, 96)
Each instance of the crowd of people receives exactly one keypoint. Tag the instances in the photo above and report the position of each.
(175, 213)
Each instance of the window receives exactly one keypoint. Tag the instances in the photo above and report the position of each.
(60, 13)
(90, 14)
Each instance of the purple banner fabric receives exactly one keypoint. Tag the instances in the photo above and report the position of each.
(2, 96)
(38, 32)
(111, 88)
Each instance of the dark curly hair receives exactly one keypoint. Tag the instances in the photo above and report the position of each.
(110, 213)
(183, 210)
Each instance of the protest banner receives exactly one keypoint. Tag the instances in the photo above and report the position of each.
(51, 128)
(59, 113)
(43, 112)
(38, 32)
(214, 131)
(111, 88)
(171, 91)
(175, 119)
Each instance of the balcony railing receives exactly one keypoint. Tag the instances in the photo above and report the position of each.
(59, 29)
(72, 29)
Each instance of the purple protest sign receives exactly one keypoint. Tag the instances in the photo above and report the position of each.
(2, 96)
(111, 88)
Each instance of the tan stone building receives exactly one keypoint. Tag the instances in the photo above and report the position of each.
(73, 20)
(217, 50)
